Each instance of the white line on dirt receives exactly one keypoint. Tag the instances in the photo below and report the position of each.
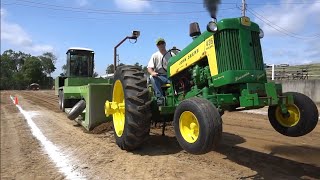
(61, 161)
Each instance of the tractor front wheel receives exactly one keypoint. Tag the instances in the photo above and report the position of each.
(77, 110)
(197, 125)
(62, 101)
(130, 107)
(302, 118)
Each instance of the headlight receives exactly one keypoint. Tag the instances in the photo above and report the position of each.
(261, 34)
(212, 27)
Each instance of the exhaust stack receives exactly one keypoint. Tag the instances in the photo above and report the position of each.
(212, 7)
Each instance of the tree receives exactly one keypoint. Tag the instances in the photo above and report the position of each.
(17, 57)
(138, 65)
(145, 69)
(7, 68)
(33, 70)
(48, 60)
(11, 69)
(64, 70)
(19, 81)
(110, 69)
(95, 74)
(18, 69)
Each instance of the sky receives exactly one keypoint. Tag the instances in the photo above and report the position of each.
(291, 27)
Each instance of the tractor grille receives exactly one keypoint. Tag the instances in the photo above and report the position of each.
(257, 51)
(227, 44)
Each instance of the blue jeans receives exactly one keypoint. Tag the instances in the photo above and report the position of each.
(157, 82)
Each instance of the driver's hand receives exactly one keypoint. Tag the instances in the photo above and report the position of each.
(155, 74)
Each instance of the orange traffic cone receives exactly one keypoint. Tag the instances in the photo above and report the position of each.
(16, 100)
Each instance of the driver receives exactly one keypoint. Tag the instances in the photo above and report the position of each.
(157, 67)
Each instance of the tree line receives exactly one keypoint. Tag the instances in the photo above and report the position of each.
(19, 70)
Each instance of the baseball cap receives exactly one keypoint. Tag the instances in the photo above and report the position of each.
(160, 40)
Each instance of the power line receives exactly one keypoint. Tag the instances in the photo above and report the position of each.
(28, 3)
(114, 19)
(181, 2)
(283, 32)
(280, 29)
(190, 2)
(284, 3)
(294, 34)
(96, 11)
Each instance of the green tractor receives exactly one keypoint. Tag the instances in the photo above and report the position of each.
(222, 69)
(80, 94)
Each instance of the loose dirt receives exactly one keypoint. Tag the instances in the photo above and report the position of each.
(250, 148)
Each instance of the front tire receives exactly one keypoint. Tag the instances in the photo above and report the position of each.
(302, 120)
(76, 110)
(197, 125)
(132, 121)
(61, 101)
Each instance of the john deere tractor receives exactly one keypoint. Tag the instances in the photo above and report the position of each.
(221, 69)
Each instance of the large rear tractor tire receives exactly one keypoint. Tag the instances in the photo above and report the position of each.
(77, 110)
(302, 120)
(132, 119)
(197, 125)
(62, 101)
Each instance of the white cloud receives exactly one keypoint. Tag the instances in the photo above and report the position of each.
(301, 21)
(295, 18)
(3, 12)
(16, 37)
(302, 55)
(283, 53)
(307, 62)
(132, 5)
(82, 2)
(313, 49)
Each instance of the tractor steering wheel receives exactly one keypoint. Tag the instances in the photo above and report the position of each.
(169, 51)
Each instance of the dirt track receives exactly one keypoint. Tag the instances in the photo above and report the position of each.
(250, 148)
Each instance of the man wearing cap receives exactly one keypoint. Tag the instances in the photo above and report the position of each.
(157, 67)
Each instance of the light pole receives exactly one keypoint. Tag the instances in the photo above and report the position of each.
(135, 35)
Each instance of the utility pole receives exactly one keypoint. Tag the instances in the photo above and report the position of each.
(244, 8)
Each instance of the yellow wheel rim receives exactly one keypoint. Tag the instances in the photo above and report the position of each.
(119, 111)
(189, 126)
(290, 121)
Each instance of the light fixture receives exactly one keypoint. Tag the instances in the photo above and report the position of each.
(212, 27)
(261, 34)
